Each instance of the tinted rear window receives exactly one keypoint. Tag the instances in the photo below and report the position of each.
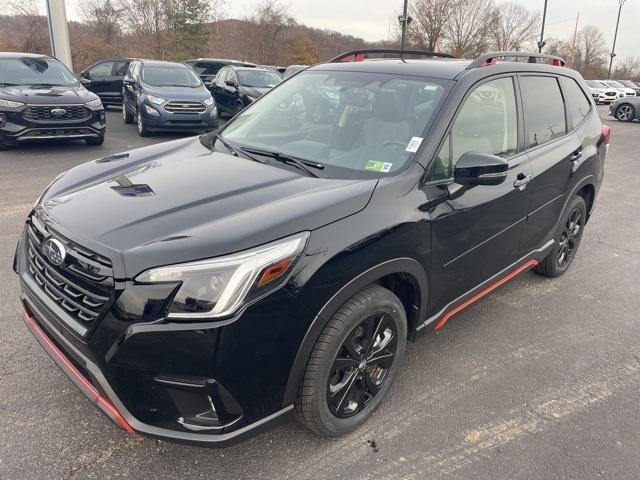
(577, 104)
(543, 109)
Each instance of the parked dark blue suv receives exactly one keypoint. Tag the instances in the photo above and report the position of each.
(203, 289)
(166, 96)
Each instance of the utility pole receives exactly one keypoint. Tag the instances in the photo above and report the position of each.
(615, 37)
(542, 43)
(404, 20)
(58, 31)
(575, 34)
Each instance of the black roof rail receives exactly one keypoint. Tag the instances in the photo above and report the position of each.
(492, 57)
(365, 51)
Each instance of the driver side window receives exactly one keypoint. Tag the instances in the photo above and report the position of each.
(486, 123)
(101, 70)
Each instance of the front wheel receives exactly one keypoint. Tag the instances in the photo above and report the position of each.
(99, 140)
(567, 239)
(353, 363)
(143, 131)
(625, 112)
(127, 116)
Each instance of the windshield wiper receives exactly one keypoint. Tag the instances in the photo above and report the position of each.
(7, 84)
(299, 163)
(213, 136)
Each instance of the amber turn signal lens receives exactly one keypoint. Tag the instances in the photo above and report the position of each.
(274, 271)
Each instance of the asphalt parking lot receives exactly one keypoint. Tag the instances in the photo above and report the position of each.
(540, 380)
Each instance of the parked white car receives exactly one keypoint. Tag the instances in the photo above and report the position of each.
(624, 91)
(601, 92)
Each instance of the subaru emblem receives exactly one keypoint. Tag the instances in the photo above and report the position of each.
(58, 112)
(54, 251)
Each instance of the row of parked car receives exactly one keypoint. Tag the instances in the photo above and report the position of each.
(607, 91)
(40, 98)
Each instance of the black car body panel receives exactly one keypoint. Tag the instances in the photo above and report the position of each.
(180, 202)
(232, 94)
(105, 79)
(184, 108)
(48, 111)
(207, 68)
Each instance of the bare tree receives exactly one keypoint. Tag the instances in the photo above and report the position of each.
(271, 18)
(629, 69)
(29, 27)
(104, 17)
(146, 25)
(430, 18)
(469, 27)
(515, 27)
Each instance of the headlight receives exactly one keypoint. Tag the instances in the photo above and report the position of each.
(94, 103)
(219, 286)
(156, 100)
(208, 101)
(151, 111)
(10, 104)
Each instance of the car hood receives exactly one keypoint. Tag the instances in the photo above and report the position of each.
(178, 93)
(178, 201)
(47, 95)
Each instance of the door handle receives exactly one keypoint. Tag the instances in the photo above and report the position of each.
(522, 180)
(575, 156)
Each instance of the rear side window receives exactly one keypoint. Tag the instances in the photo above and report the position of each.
(101, 70)
(486, 123)
(543, 109)
(222, 75)
(121, 69)
(577, 104)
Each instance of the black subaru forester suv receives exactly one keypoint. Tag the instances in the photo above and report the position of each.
(203, 289)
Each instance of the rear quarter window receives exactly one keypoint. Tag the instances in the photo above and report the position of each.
(578, 105)
(544, 114)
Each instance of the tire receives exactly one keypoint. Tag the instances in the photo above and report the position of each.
(127, 116)
(95, 140)
(625, 112)
(325, 407)
(143, 131)
(567, 239)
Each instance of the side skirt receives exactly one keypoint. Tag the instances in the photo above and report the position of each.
(486, 287)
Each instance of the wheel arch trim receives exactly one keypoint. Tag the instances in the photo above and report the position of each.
(403, 265)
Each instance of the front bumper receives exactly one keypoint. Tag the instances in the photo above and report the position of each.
(15, 128)
(159, 378)
(207, 120)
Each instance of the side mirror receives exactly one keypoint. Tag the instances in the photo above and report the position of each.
(475, 168)
(230, 83)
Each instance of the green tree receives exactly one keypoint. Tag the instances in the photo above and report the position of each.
(187, 20)
(302, 50)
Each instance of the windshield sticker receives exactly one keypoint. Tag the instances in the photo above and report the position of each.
(414, 144)
(378, 166)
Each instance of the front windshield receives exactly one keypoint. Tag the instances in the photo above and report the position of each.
(594, 84)
(367, 122)
(258, 78)
(161, 76)
(628, 84)
(35, 71)
(614, 84)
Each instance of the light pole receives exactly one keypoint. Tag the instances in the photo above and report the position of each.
(404, 20)
(542, 43)
(615, 36)
(58, 31)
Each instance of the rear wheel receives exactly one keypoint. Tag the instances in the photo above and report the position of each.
(127, 117)
(625, 112)
(567, 239)
(353, 363)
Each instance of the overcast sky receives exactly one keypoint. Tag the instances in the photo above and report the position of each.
(372, 19)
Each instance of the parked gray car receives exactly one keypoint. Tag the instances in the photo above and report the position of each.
(625, 109)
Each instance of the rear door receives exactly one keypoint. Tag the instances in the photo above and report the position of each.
(477, 235)
(553, 150)
(99, 77)
(115, 82)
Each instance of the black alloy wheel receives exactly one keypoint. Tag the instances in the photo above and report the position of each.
(353, 363)
(362, 364)
(567, 239)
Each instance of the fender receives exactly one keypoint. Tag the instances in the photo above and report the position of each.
(586, 180)
(399, 265)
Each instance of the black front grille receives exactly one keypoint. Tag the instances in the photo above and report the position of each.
(47, 113)
(82, 286)
(185, 107)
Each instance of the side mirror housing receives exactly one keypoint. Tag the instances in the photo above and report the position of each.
(475, 168)
(230, 83)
